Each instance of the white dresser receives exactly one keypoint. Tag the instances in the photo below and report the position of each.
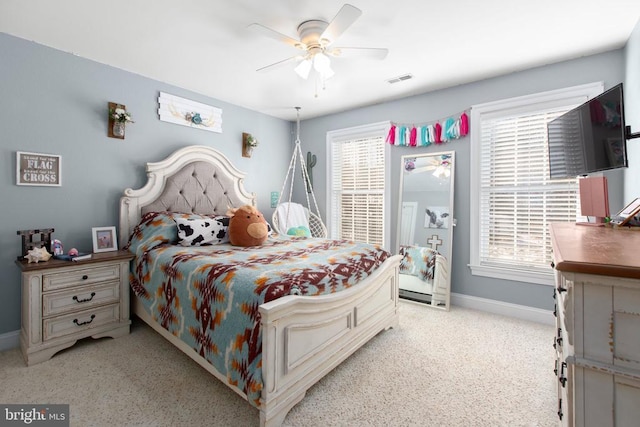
(597, 338)
(64, 301)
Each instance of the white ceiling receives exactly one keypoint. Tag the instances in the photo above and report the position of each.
(205, 45)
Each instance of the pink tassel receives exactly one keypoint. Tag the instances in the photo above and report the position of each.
(438, 132)
(391, 136)
(413, 136)
(464, 124)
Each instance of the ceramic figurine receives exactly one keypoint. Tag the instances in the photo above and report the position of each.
(56, 247)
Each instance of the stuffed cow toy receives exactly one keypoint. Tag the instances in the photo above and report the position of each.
(247, 226)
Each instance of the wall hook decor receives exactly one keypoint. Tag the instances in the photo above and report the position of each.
(248, 144)
(118, 118)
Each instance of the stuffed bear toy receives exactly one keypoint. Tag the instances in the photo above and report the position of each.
(247, 226)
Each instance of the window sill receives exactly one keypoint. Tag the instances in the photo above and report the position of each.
(540, 278)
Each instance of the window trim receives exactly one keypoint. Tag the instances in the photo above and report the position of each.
(575, 95)
(372, 130)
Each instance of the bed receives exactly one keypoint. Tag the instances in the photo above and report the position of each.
(424, 271)
(300, 338)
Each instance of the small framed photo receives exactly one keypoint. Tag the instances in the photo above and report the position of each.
(104, 239)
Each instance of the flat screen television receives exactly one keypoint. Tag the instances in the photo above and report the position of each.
(590, 138)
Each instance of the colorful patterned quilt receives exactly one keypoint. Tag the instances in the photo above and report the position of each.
(418, 261)
(208, 296)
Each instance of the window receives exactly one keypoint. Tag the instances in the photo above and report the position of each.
(512, 198)
(358, 174)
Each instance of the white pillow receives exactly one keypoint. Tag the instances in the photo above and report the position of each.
(204, 231)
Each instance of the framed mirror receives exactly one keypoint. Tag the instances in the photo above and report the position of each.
(425, 227)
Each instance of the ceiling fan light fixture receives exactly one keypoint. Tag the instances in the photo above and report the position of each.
(327, 74)
(304, 68)
(322, 64)
(442, 172)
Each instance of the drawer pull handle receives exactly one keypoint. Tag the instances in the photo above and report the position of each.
(85, 277)
(561, 289)
(563, 378)
(93, 316)
(560, 409)
(75, 298)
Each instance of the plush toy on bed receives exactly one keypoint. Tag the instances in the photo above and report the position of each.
(247, 226)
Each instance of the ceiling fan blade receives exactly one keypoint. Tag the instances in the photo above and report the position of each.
(280, 63)
(268, 32)
(343, 20)
(422, 169)
(358, 52)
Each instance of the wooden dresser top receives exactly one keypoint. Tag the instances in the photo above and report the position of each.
(596, 250)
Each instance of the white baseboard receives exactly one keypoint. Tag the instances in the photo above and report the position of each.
(9, 340)
(504, 308)
(12, 339)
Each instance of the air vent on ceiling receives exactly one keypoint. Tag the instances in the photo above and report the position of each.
(400, 78)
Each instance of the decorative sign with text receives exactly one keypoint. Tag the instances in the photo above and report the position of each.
(38, 169)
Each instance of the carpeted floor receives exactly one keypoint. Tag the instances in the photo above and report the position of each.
(461, 368)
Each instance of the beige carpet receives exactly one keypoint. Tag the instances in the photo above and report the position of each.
(462, 368)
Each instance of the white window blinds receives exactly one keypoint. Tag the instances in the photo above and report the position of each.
(357, 189)
(513, 200)
(517, 198)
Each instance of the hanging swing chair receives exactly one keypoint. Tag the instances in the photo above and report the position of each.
(293, 218)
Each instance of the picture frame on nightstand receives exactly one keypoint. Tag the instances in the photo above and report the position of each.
(104, 239)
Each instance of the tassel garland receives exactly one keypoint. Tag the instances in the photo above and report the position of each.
(423, 136)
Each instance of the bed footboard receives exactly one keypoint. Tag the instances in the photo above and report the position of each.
(304, 338)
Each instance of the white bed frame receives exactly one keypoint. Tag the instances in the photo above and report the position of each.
(438, 288)
(303, 338)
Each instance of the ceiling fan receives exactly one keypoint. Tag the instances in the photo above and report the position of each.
(441, 167)
(316, 39)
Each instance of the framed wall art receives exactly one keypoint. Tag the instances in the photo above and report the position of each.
(104, 239)
(38, 169)
(436, 217)
(185, 112)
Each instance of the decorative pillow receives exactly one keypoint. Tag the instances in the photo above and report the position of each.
(201, 231)
(154, 229)
(301, 231)
(418, 261)
(247, 226)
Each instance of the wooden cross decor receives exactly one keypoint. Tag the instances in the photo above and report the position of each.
(434, 241)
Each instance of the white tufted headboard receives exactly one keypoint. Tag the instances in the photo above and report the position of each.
(194, 179)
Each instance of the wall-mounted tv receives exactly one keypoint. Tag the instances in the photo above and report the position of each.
(590, 138)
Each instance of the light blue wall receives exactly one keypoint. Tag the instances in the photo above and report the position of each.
(54, 102)
(607, 67)
(632, 113)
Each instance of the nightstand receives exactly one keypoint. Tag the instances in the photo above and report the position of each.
(64, 301)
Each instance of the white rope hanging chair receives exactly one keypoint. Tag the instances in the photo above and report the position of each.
(313, 219)
(316, 226)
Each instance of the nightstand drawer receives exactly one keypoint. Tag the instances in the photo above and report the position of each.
(626, 327)
(80, 298)
(71, 323)
(82, 276)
